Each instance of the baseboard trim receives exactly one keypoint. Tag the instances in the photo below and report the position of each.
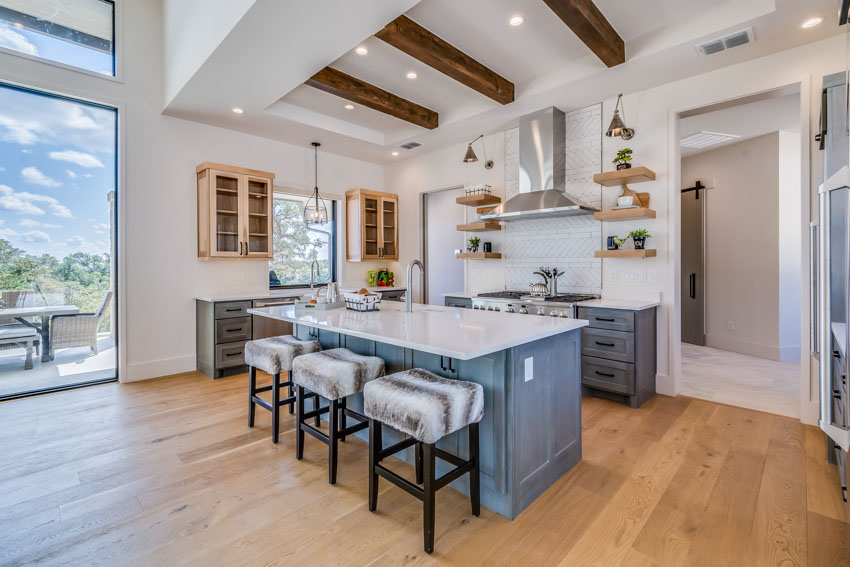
(666, 385)
(157, 368)
(780, 354)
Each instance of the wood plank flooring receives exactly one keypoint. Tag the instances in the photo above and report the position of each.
(166, 472)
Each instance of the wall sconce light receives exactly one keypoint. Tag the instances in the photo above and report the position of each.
(618, 126)
(470, 156)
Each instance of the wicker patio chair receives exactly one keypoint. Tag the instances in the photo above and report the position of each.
(11, 299)
(78, 329)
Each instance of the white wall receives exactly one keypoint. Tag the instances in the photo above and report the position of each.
(747, 247)
(159, 272)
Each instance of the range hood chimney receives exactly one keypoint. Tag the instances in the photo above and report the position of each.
(542, 171)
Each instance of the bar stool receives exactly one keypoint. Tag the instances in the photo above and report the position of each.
(428, 408)
(274, 355)
(333, 374)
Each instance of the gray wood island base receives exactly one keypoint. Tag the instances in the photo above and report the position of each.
(531, 431)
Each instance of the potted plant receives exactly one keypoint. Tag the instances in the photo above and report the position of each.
(639, 237)
(623, 158)
(473, 244)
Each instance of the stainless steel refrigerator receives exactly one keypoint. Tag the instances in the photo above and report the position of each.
(830, 275)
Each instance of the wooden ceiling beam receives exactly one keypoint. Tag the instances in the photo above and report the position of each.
(406, 35)
(353, 89)
(588, 23)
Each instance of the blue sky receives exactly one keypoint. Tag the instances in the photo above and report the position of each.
(57, 162)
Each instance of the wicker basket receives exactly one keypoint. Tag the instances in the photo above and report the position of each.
(363, 303)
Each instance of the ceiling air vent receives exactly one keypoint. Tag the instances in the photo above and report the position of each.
(704, 139)
(713, 46)
(410, 145)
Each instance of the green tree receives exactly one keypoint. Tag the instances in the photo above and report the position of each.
(296, 245)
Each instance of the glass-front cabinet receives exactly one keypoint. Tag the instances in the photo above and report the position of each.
(372, 225)
(234, 212)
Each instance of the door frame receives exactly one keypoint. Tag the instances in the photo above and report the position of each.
(809, 401)
(423, 236)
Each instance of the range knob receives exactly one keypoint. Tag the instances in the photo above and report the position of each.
(496, 308)
(541, 311)
(475, 306)
(489, 308)
(509, 309)
(565, 315)
(553, 313)
(523, 310)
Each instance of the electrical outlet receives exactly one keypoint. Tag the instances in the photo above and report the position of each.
(612, 275)
(641, 276)
(240, 275)
(529, 369)
(730, 325)
(652, 275)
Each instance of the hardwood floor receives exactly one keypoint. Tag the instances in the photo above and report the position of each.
(166, 472)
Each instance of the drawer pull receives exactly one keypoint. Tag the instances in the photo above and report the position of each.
(234, 353)
(605, 319)
(605, 374)
(837, 394)
(232, 309)
(606, 344)
(233, 329)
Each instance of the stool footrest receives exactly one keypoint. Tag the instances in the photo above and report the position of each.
(453, 474)
(315, 433)
(393, 449)
(354, 428)
(261, 402)
(400, 482)
(449, 458)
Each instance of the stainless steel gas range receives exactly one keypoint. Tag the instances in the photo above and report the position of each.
(521, 302)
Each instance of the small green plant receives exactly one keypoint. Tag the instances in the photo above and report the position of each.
(624, 156)
(474, 241)
(640, 233)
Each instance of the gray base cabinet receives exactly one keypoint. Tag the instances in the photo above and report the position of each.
(834, 453)
(222, 329)
(619, 354)
(462, 302)
(530, 435)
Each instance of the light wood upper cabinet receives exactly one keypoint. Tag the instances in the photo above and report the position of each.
(372, 225)
(234, 212)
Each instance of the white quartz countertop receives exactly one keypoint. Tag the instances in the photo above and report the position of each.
(281, 293)
(633, 304)
(463, 334)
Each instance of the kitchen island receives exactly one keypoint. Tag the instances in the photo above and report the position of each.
(530, 369)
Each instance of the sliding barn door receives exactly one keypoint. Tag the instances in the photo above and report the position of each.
(693, 278)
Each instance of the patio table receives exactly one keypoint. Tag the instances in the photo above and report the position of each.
(45, 312)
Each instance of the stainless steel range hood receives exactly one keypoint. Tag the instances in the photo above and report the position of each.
(542, 171)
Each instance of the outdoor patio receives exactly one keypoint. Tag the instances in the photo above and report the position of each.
(70, 366)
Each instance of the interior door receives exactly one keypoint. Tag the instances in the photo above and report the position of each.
(225, 213)
(444, 271)
(693, 278)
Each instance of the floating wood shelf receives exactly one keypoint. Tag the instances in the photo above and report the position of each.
(479, 200)
(624, 176)
(479, 256)
(615, 215)
(485, 210)
(481, 226)
(624, 253)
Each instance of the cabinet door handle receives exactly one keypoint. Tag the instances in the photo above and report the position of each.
(605, 344)
(693, 286)
(233, 353)
(240, 247)
(233, 329)
(232, 309)
(605, 374)
(606, 320)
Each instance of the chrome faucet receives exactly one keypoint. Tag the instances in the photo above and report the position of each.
(408, 296)
(314, 271)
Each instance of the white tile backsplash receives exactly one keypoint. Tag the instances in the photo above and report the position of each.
(566, 243)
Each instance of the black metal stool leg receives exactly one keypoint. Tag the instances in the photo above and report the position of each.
(375, 446)
(252, 388)
(275, 407)
(418, 459)
(475, 473)
(291, 393)
(428, 495)
(333, 440)
(299, 419)
(342, 420)
(316, 401)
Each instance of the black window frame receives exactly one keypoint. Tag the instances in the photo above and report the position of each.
(332, 249)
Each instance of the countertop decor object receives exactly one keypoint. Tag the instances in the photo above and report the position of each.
(639, 237)
(623, 177)
(315, 210)
(622, 159)
(618, 126)
(362, 302)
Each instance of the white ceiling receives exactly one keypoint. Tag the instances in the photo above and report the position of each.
(279, 44)
(746, 121)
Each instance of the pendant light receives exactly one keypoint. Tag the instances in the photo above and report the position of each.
(470, 156)
(315, 211)
(618, 127)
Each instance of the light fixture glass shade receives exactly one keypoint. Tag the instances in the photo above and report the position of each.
(470, 155)
(616, 127)
(315, 211)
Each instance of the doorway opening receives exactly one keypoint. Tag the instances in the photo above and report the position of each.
(440, 243)
(741, 252)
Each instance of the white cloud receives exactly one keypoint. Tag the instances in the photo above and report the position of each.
(76, 117)
(20, 131)
(24, 203)
(79, 158)
(35, 176)
(2, 169)
(8, 233)
(32, 223)
(14, 40)
(71, 174)
(35, 237)
(87, 175)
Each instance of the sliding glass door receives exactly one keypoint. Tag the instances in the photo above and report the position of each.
(57, 242)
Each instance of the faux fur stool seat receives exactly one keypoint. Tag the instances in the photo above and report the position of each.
(428, 408)
(422, 404)
(336, 373)
(333, 374)
(276, 354)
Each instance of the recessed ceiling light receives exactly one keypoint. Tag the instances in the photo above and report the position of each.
(361, 50)
(412, 75)
(516, 21)
(395, 153)
(811, 22)
(349, 107)
(237, 110)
